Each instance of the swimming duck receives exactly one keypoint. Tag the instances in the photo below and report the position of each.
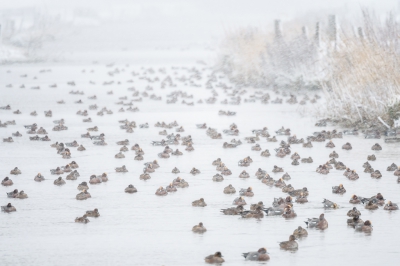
(21, 195)
(368, 170)
(73, 175)
(286, 176)
(119, 155)
(319, 223)
(244, 174)
(265, 153)
(239, 201)
(371, 157)
(15, 171)
(354, 200)
(195, 171)
(333, 155)
(298, 192)
(329, 204)
(295, 162)
(279, 183)
(164, 154)
(94, 180)
(161, 192)
(123, 142)
(260, 255)
(354, 221)
(371, 205)
(130, 189)
(376, 147)
(218, 178)
(246, 192)
(397, 172)
(8, 208)
(307, 160)
(347, 146)
(103, 177)
(121, 169)
(229, 189)
(83, 195)
(330, 144)
(256, 147)
(199, 228)
(353, 212)
(12, 194)
(39, 178)
(214, 258)
(83, 186)
(392, 167)
(301, 198)
(288, 212)
(389, 206)
(289, 245)
(376, 174)
(144, 176)
(300, 232)
(199, 203)
(307, 145)
(295, 156)
(287, 188)
(233, 210)
(82, 219)
(338, 189)
(17, 134)
(6, 182)
(189, 147)
(257, 213)
(277, 169)
(226, 171)
(260, 204)
(59, 181)
(176, 152)
(366, 227)
(171, 188)
(9, 139)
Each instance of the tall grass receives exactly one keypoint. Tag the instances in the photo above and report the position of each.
(358, 70)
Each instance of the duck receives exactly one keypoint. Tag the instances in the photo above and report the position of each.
(354, 221)
(300, 232)
(371, 157)
(175, 171)
(95, 180)
(124, 149)
(347, 146)
(308, 144)
(338, 189)
(397, 172)
(15, 171)
(244, 174)
(59, 181)
(8, 208)
(277, 169)
(83, 186)
(253, 207)
(287, 188)
(289, 245)
(119, 155)
(392, 167)
(195, 171)
(73, 175)
(233, 210)
(199, 203)
(286, 176)
(301, 198)
(376, 147)
(199, 228)
(82, 219)
(366, 227)
(353, 212)
(12, 194)
(330, 144)
(260, 255)
(257, 213)
(176, 153)
(353, 175)
(376, 174)
(39, 178)
(130, 189)
(7, 182)
(17, 134)
(256, 147)
(295, 162)
(333, 155)
(21, 195)
(329, 204)
(307, 160)
(354, 200)
(229, 189)
(218, 178)
(389, 206)
(265, 153)
(121, 169)
(161, 192)
(215, 258)
(279, 183)
(239, 201)
(246, 192)
(318, 223)
(371, 205)
(298, 192)
(83, 195)
(295, 156)
(171, 188)
(95, 213)
(217, 162)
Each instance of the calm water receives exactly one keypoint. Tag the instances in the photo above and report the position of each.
(143, 229)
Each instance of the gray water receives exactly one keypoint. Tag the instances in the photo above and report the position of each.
(144, 229)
